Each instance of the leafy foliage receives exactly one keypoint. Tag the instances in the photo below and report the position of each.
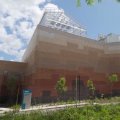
(90, 85)
(91, 88)
(11, 83)
(61, 86)
(113, 78)
(90, 2)
(96, 112)
(12, 87)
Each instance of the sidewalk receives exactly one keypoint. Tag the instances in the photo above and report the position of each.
(3, 110)
(51, 107)
(42, 107)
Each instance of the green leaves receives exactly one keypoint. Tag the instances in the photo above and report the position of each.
(90, 2)
(113, 78)
(61, 85)
(91, 89)
(90, 85)
(78, 3)
(96, 112)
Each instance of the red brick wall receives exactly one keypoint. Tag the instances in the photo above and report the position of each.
(45, 79)
(1, 80)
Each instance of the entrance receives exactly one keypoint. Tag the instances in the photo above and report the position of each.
(79, 89)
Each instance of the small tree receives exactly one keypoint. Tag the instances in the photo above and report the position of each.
(113, 78)
(61, 86)
(13, 86)
(91, 89)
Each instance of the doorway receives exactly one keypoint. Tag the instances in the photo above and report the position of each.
(79, 89)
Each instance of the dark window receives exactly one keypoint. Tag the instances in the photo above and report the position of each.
(46, 93)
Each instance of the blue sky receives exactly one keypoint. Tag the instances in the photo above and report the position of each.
(19, 18)
(101, 18)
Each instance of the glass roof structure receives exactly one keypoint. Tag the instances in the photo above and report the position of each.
(56, 19)
(110, 38)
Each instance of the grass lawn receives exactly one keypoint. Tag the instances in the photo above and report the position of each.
(95, 112)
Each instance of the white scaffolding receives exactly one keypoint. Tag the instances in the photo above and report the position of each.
(56, 19)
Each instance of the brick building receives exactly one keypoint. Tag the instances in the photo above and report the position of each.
(59, 48)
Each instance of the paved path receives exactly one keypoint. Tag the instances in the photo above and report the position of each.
(42, 107)
(3, 110)
(51, 107)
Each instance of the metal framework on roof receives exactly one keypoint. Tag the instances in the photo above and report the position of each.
(56, 19)
(110, 38)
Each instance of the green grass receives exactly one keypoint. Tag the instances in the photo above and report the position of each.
(96, 112)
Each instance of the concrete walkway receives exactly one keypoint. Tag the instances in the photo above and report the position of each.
(51, 107)
(42, 107)
(3, 110)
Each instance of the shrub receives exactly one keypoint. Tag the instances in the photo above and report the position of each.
(97, 112)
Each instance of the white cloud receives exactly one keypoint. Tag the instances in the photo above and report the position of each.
(51, 6)
(18, 20)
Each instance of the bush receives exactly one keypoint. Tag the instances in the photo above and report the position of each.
(97, 112)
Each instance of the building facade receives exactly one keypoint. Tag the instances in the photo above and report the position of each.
(59, 48)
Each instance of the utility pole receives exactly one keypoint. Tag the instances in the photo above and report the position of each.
(76, 91)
